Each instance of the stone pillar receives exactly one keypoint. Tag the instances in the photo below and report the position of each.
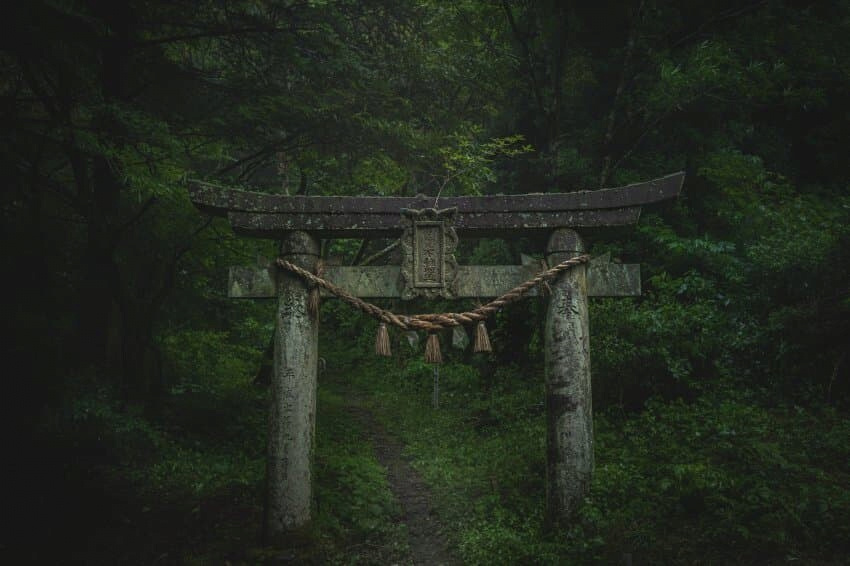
(292, 406)
(569, 419)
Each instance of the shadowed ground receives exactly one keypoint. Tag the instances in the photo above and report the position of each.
(424, 533)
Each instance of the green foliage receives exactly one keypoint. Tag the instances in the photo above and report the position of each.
(489, 251)
(200, 360)
(720, 479)
(208, 444)
(468, 164)
(168, 457)
(723, 474)
(354, 503)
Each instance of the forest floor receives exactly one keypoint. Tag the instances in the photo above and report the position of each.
(191, 507)
(719, 480)
(424, 532)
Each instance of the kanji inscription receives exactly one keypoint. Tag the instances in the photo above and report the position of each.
(428, 246)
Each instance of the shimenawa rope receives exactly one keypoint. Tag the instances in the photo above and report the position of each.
(431, 323)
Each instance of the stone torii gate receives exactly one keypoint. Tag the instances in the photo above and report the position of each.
(430, 270)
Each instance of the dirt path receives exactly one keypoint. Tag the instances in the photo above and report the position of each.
(424, 534)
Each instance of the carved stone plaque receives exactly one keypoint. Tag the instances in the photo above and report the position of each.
(429, 268)
(428, 248)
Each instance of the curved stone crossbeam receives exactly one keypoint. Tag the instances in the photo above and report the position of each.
(272, 216)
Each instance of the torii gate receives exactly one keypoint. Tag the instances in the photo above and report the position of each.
(430, 270)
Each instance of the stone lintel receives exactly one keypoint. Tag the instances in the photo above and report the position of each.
(471, 224)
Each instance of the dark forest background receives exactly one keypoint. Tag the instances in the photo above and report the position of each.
(133, 393)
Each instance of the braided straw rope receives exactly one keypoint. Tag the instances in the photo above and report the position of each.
(435, 322)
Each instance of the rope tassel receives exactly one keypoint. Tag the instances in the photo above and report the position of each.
(432, 350)
(314, 299)
(382, 341)
(313, 302)
(482, 339)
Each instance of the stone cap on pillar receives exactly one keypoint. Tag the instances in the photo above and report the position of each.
(299, 243)
(564, 240)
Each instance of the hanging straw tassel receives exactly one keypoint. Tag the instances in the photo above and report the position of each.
(382, 341)
(482, 340)
(314, 299)
(432, 350)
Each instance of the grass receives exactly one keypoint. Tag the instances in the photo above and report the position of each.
(186, 485)
(718, 480)
(721, 479)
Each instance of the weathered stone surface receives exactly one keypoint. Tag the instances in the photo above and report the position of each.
(473, 281)
(292, 399)
(606, 279)
(412, 338)
(428, 265)
(460, 339)
(569, 419)
(251, 282)
(220, 200)
(529, 260)
(475, 224)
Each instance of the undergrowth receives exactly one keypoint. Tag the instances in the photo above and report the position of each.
(720, 478)
(717, 480)
(184, 483)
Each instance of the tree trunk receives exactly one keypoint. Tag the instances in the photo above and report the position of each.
(97, 297)
(99, 189)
